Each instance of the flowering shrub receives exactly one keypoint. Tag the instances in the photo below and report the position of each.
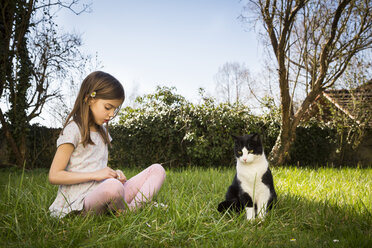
(165, 128)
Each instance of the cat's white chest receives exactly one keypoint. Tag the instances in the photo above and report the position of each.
(250, 177)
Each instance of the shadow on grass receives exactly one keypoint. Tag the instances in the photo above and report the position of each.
(298, 222)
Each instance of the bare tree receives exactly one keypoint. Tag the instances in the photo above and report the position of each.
(58, 108)
(313, 43)
(33, 55)
(232, 80)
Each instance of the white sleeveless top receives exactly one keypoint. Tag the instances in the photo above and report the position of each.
(83, 159)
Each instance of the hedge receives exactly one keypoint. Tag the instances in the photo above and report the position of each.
(165, 128)
(41, 147)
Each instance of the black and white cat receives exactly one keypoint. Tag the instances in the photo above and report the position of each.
(253, 187)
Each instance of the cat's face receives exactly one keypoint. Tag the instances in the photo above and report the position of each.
(247, 147)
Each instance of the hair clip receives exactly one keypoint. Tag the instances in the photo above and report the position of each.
(93, 95)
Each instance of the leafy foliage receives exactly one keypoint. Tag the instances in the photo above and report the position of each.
(168, 129)
(41, 144)
(314, 145)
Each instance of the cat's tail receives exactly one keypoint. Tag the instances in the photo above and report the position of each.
(228, 205)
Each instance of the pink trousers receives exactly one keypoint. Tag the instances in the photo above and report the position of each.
(132, 194)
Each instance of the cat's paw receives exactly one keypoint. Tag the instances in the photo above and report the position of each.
(261, 213)
(224, 206)
(221, 207)
(250, 213)
(261, 216)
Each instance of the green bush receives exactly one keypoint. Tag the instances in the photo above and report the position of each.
(314, 145)
(165, 128)
(41, 147)
(150, 133)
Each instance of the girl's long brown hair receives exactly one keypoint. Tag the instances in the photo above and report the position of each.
(106, 87)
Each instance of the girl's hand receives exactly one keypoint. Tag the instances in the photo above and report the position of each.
(120, 176)
(58, 175)
(104, 174)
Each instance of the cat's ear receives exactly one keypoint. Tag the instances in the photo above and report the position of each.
(256, 137)
(234, 137)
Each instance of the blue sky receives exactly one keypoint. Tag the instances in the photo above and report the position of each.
(146, 43)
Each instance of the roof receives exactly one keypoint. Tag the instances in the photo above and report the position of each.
(353, 103)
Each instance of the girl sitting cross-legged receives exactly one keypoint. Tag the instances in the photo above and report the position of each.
(79, 166)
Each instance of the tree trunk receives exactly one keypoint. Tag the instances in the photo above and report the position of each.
(17, 20)
(281, 150)
(277, 154)
(11, 142)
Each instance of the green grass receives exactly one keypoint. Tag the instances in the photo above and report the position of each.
(316, 208)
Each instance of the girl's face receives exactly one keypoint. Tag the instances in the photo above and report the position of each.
(104, 110)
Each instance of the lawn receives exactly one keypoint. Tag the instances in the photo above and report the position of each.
(324, 207)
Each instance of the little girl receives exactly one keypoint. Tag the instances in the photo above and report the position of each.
(79, 166)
